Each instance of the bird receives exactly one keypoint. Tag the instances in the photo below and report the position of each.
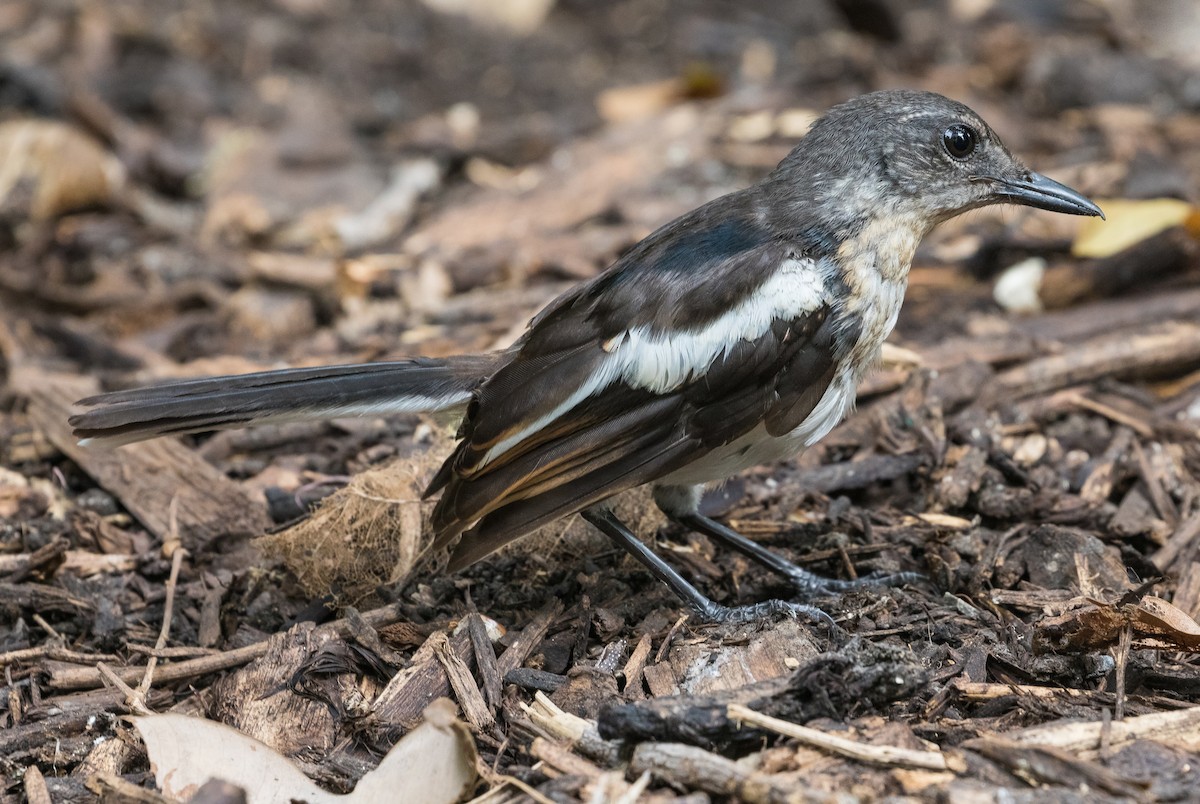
(733, 336)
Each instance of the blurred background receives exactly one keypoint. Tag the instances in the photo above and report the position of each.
(222, 186)
(302, 179)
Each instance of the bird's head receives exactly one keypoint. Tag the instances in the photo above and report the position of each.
(917, 155)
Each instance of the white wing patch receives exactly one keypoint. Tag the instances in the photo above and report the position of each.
(662, 362)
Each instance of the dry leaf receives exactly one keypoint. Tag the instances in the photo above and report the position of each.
(433, 763)
(1130, 222)
(1156, 619)
(619, 104)
(49, 168)
(1081, 630)
(520, 17)
(1155, 624)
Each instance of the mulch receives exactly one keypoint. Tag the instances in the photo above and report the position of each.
(230, 187)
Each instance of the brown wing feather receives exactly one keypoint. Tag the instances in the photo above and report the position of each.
(589, 446)
(621, 438)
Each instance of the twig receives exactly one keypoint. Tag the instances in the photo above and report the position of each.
(89, 677)
(1179, 543)
(48, 628)
(1074, 397)
(666, 643)
(553, 722)
(876, 754)
(111, 787)
(177, 555)
(1158, 495)
(987, 691)
(56, 653)
(690, 767)
(634, 793)
(1153, 349)
(132, 697)
(1122, 662)
(1179, 727)
(562, 759)
(181, 652)
(525, 788)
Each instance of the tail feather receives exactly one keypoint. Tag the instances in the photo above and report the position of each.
(301, 394)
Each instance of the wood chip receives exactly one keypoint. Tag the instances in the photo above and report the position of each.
(149, 477)
(470, 699)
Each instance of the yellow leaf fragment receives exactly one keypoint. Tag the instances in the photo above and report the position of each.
(1128, 223)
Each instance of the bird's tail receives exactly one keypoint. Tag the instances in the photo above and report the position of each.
(287, 395)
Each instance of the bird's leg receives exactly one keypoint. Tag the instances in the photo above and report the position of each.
(805, 582)
(708, 609)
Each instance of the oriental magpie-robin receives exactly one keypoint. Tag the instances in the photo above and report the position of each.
(733, 336)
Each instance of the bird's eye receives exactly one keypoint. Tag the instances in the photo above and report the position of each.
(960, 140)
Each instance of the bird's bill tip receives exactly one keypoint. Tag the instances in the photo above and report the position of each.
(1036, 190)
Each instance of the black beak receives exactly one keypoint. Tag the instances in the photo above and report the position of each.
(1035, 190)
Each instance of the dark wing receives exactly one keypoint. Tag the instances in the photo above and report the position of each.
(572, 418)
(644, 437)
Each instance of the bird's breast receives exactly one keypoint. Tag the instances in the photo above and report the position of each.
(873, 265)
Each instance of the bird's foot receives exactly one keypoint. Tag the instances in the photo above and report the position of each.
(712, 612)
(809, 584)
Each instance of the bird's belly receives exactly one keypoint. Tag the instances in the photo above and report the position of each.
(758, 447)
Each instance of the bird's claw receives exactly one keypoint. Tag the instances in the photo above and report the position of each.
(810, 584)
(757, 612)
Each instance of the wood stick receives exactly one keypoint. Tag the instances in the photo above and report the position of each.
(1168, 727)
(1149, 351)
(1103, 317)
(875, 754)
(402, 702)
(36, 791)
(168, 608)
(690, 767)
(83, 678)
(635, 667)
(562, 759)
(1170, 251)
(559, 725)
(55, 653)
(987, 691)
(1180, 542)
